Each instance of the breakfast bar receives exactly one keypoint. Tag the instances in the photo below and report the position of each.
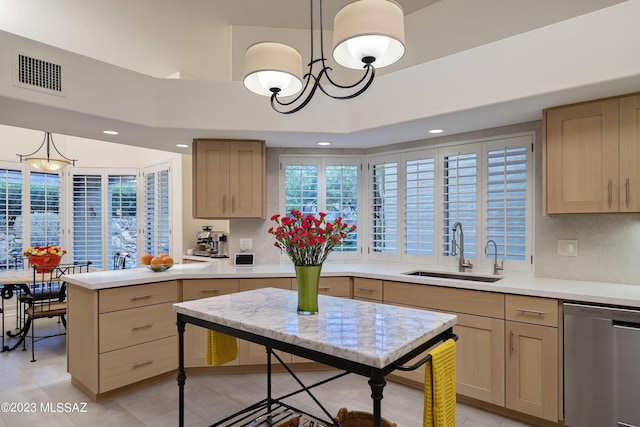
(360, 337)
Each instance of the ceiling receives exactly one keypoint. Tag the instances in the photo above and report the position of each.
(203, 40)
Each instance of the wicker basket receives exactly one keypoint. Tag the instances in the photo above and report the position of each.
(347, 418)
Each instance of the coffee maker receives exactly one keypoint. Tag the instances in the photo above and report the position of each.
(211, 244)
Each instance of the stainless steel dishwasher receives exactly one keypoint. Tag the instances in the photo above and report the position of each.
(601, 366)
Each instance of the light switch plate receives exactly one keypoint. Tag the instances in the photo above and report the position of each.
(246, 244)
(567, 248)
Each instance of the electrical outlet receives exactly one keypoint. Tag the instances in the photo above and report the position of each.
(567, 248)
(246, 244)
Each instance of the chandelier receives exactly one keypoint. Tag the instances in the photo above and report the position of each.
(367, 34)
(44, 162)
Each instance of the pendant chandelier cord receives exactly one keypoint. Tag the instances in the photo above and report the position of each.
(363, 83)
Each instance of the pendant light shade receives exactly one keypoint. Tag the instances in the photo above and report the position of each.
(43, 161)
(273, 68)
(369, 32)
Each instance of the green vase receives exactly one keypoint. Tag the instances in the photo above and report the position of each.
(308, 277)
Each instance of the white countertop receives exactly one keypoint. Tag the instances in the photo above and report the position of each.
(371, 334)
(572, 290)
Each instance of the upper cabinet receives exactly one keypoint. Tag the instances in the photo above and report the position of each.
(229, 179)
(592, 157)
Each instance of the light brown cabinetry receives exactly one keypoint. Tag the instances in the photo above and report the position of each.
(532, 356)
(195, 337)
(121, 336)
(592, 157)
(367, 289)
(229, 179)
(480, 328)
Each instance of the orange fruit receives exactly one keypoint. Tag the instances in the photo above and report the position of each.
(162, 255)
(155, 262)
(167, 260)
(146, 259)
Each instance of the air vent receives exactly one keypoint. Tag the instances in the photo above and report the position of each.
(38, 74)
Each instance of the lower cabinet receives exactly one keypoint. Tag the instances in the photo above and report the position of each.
(532, 356)
(120, 336)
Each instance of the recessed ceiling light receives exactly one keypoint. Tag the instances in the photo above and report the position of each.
(324, 143)
(182, 145)
(436, 131)
(110, 132)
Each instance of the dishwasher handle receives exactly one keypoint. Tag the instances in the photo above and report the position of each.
(626, 325)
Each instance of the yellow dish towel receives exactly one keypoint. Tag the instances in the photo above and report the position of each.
(440, 387)
(221, 348)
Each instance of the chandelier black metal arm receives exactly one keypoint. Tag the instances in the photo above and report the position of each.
(48, 139)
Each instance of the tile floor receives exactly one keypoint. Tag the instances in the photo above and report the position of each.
(42, 386)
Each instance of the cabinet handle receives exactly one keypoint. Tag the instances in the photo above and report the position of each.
(139, 297)
(144, 363)
(510, 342)
(210, 291)
(610, 188)
(224, 203)
(324, 288)
(627, 191)
(233, 204)
(529, 311)
(366, 290)
(137, 328)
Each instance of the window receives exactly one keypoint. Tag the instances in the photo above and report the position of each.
(485, 185)
(330, 185)
(157, 209)
(11, 229)
(460, 200)
(419, 206)
(87, 218)
(122, 217)
(44, 197)
(384, 206)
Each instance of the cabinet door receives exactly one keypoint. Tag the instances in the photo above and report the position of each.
(581, 155)
(532, 370)
(211, 179)
(630, 154)
(247, 179)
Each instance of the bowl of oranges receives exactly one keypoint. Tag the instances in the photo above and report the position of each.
(158, 263)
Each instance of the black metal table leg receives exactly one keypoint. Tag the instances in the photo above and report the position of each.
(377, 383)
(182, 377)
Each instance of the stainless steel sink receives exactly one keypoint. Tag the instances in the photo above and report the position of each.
(453, 276)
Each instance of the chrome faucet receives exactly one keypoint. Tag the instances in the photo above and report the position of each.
(496, 268)
(462, 263)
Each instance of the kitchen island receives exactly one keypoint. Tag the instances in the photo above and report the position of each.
(361, 337)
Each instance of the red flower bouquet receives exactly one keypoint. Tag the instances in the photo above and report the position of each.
(308, 240)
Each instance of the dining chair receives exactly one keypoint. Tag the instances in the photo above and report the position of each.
(120, 260)
(47, 298)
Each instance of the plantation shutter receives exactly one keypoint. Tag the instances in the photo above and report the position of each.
(341, 200)
(384, 207)
(301, 188)
(507, 202)
(44, 208)
(157, 207)
(122, 210)
(420, 207)
(460, 194)
(11, 228)
(87, 218)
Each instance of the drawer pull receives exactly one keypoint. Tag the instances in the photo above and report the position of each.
(144, 363)
(529, 311)
(324, 288)
(366, 290)
(139, 297)
(137, 328)
(210, 291)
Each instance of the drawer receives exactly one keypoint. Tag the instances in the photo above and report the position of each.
(539, 311)
(267, 282)
(137, 296)
(204, 288)
(132, 364)
(488, 304)
(119, 329)
(370, 289)
(332, 286)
